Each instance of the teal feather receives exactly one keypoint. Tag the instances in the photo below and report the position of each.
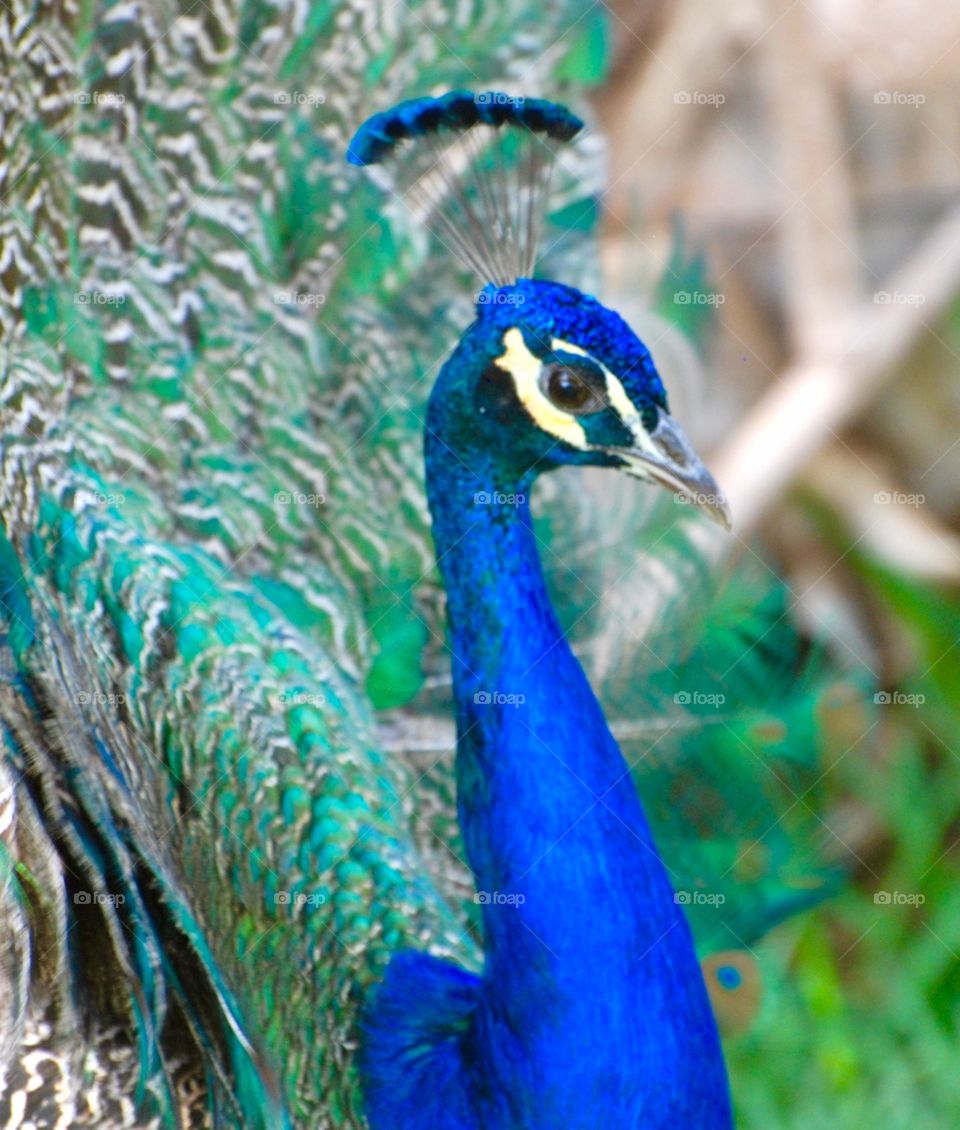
(15, 608)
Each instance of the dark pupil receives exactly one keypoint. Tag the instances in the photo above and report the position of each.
(568, 390)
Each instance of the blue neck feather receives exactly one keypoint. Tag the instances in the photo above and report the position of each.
(591, 1008)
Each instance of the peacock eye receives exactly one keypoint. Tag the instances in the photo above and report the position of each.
(577, 390)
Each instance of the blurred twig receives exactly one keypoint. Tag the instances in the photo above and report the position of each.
(819, 395)
(817, 232)
(892, 524)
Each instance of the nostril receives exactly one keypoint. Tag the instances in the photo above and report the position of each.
(672, 449)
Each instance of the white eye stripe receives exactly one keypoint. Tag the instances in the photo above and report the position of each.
(558, 345)
(616, 394)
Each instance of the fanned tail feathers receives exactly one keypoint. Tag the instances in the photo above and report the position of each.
(81, 853)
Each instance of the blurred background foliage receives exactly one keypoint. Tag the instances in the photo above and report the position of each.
(811, 152)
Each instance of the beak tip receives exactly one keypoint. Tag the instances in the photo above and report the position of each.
(675, 465)
(713, 504)
(721, 514)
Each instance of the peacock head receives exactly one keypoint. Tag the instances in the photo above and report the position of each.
(547, 376)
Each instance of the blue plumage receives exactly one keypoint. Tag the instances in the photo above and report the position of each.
(547, 309)
(591, 1009)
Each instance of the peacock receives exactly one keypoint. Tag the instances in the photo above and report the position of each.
(244, 881)
(590, 1006)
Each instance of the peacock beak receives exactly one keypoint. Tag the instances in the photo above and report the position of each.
(666, 457)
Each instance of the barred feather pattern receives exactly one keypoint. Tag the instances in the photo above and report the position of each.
(213, 363)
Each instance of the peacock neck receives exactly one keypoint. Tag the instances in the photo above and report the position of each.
(584, 944)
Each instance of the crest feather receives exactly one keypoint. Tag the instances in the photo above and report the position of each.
(474, 168)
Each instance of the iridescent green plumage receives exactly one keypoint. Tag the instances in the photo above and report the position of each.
(215, 556)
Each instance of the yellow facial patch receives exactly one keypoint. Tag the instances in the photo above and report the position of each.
(524, 367)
